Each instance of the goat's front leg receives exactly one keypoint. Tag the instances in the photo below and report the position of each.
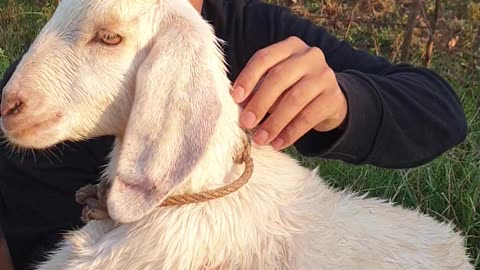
(94, 197)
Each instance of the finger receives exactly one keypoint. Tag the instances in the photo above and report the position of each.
(247, 99)
(315, 112)
(89, 214)
(102, 189)
(292, 103)
(85, 214)
(88, 191)
(261, 62)
(326, 125)
(97, 214)
(91, 202)
(319, 66)
(278, 80)
(338, 115)
(272, 108)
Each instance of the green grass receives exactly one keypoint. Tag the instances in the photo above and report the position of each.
(19, 23)
(447, 188)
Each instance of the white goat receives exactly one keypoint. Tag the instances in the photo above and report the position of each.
(151, 73)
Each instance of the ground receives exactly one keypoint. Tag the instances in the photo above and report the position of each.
(447, 188)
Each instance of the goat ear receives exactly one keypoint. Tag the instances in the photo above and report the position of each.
(173, 116)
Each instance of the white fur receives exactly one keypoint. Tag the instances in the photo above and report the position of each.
(164, 90)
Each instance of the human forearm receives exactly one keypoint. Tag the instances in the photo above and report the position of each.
(402, 119)
(398, 115)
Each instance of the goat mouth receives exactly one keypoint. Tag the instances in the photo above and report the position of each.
(19, 129)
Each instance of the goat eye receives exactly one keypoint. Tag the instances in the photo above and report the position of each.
(109, 38)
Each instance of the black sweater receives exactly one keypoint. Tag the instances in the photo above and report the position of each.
(399, 116)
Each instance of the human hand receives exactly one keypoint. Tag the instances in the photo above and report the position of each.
(296, 86)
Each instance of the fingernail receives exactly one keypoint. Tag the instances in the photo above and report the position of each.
(238, 93)
(248, 119)
(261, 136)
(277, 143)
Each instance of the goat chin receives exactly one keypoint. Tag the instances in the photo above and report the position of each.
(285, 217)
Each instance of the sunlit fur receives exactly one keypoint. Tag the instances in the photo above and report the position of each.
(164, 91)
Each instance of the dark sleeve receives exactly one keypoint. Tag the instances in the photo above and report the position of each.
(399, 116)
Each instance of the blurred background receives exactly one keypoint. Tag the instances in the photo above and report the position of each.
(440, 34)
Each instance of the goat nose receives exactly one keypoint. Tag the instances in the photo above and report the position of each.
(11, 106)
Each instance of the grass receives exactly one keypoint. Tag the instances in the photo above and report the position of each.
(447, 188)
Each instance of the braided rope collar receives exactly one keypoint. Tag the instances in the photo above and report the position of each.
(94, 196)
